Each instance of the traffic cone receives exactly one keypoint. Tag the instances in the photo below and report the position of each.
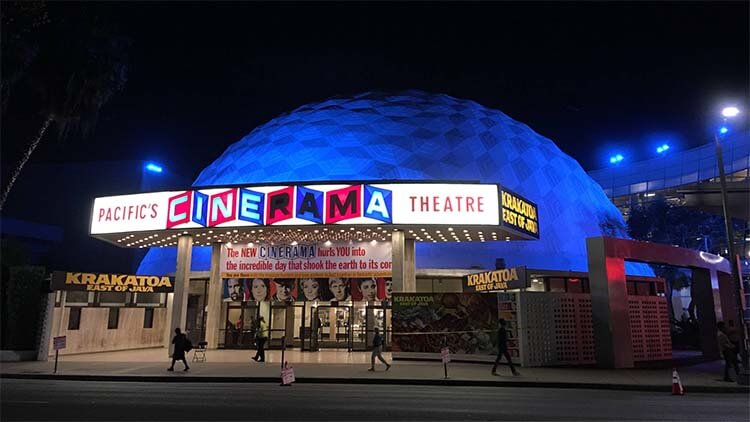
(677, 389)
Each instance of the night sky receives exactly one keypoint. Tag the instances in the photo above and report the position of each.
(592, 77)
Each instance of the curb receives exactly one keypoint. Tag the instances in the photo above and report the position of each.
(379, 381)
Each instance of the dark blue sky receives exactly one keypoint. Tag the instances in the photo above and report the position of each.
(592, 77)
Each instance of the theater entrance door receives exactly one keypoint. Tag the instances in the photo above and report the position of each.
(330, 327)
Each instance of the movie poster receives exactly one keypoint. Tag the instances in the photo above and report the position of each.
(322, 289)
(426, 322)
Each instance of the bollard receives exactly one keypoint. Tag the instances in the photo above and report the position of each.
(445, 356)
(283, 350)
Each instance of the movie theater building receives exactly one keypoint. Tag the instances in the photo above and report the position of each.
(322, 218)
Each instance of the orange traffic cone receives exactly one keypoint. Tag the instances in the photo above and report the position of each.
(677, 389)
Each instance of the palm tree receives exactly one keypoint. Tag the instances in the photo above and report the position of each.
(70, 67)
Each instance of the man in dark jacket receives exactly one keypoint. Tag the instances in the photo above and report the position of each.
(377, 348)
(179, 341)
(728, 351)
(502, 348)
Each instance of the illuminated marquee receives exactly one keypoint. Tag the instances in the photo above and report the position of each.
(299, 205)
(519, 214)
(506, 278)
(104, 282)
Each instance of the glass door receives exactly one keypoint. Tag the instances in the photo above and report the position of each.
(250, 315)
(277, 325)
(359, 327)
(233, 327)
(378, 316)
(334, 330)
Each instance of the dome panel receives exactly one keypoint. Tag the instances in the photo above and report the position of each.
(415, 135)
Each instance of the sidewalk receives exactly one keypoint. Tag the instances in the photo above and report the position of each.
(705, 377)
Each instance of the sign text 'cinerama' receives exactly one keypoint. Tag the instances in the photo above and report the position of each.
(399, 203)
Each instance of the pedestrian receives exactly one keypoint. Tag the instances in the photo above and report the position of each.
(180, 342)
(502, 348)
(377, 347)
(260, 337)
(727, 350)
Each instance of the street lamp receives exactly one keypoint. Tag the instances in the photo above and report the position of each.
(728, 113)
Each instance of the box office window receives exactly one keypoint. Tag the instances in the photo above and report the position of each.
(575, 285)
(74, 319)
(644, 288)
(148, 299)
(631, 288)
(114, 318)
(74, 297)
(556, 284)
(148, 318)
(113, 298)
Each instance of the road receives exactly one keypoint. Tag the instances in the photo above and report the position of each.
(81, 401)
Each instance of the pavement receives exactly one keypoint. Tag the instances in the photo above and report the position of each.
(23, 400)
(351, 368)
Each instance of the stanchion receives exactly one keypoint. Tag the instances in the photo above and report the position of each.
(445, 356)
(283, 350)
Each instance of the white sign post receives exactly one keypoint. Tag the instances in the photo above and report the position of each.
(58, 343)
(445, 355)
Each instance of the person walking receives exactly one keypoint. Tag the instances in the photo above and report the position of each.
(502, 348)
(727, 350)
(180, 342)
(377, 348)
(261, 337)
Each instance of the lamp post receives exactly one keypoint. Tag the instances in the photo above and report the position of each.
(727, 113)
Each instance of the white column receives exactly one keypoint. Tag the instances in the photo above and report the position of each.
(181, 287)
(213, 317)
(46, 331)
(60, 329)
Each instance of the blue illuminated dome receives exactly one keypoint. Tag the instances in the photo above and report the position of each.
(415, 135)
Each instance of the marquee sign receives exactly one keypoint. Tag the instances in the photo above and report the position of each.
(104, 282)
(377, 203)
(507, 278)
(519, 214)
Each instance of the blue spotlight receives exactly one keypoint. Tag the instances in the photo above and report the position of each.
(616, 158)
(663, 148)
(154, 168)
(723, 130)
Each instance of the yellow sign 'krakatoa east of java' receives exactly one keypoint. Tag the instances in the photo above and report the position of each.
(103, 282)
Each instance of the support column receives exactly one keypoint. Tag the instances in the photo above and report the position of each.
(727, 299)
(63, 298)
(609, 307)
(703, 296)
(404, 265)
(46, 331)
(181, 287)
(213, 317)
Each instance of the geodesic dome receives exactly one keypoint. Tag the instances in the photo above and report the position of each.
(415, 135)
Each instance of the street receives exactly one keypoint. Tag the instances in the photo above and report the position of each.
(75, 400)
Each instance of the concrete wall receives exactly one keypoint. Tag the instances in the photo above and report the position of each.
(94, 336)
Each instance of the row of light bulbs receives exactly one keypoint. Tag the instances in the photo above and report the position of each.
(294, 235)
